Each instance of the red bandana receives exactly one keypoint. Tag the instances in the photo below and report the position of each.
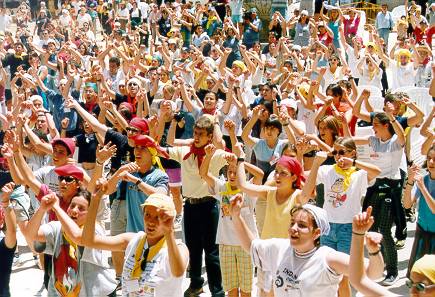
(198, 152)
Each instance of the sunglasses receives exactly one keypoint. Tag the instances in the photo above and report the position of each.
(132, 84)
(67, 179)
(143, 263)
(419, 286)
(132, 130)
(339, 152)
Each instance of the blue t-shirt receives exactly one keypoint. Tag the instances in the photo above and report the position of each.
(426, 219)
(60, 111)
(135, 197)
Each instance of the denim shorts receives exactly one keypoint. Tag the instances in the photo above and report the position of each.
(339, 237)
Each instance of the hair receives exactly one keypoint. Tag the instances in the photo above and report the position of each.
(391, 97)
(384, 120)
(299, 207)
(205, 122)
(273, 121)
(335, 89)
(85, 194)
(347, 142)
(289, 146)
(345, 84)
(115, 60)
(332, 124)
(170, 89)
(432, 148)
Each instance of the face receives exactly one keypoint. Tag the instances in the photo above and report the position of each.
(210, 101)
(283, 177)
(431, 162)
(417, 281)
(113, 67)
(68, 186)
(151, 222)
(78, 209)
(324, 131)
(200, 137)
(341, 151)
(18, 49)
(236, 70)
(266, 92)
(271, 132)
(60, 154)
(133, 88)
(41, 122)
(379, 128)
(333, 61)
(301, 231)
(232, 175)
(142, 155)
(132, 132)
(90, 94)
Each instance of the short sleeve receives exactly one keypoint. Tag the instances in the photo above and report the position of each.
(264, 252)
(177, 153)
(162, 182)
(322, 173)
(50, 232)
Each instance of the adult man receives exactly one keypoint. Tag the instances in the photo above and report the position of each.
(384, 23)
(17, 59)
(251, 28)
(201, 212)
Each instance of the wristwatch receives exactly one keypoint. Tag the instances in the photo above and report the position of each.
(240, 160)
(139, 181)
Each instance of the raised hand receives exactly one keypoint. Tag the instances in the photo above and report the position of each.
(230, 126)
(365, 94)
(48, 201)
(7, 191)
(105, 152)
(64, 123)
(373, 241)
(320, 157)
(231, 159)
(210, 149)
(236, 203)
(363, 221)
(166, 221)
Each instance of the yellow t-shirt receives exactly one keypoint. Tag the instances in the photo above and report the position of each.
(277, 218)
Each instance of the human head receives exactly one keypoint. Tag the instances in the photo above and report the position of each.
(203, 131)
(382, 125)
(210, 101)
(114, 64)
(289, 171)
(133, 86)
(63, 148)
(344, 147)
(422, 277)
(272, 127)
(329, 128)
(307, 224)
(430, 161)
(152, 208)
(147, 151)
(137, 126)
(70, 178)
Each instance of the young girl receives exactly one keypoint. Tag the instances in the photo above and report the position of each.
(76, 270)
(232, 256)
(344, 184)
(424, 193)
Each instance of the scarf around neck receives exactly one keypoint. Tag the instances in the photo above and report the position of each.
(198, 152)
(347, 175)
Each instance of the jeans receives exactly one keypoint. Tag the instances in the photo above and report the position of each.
(339, 237)
(200, 227)
(384, 33)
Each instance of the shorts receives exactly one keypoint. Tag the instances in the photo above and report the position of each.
(174, 175)
(236, 267)
(118, 217)
(339, 237)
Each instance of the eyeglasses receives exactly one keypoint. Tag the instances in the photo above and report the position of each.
(339, 152)
(68, 179)
(143, 263)
(132, 130)
(419, 286)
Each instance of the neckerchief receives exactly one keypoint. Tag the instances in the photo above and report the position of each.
(346, 173)
(153, 251)
(66, 268)
(228, 191)
(155, 159)
(199, 153)
(209, 111)
(21, 57)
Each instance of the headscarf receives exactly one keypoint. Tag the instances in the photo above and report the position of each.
(320, 216)
(293, 165)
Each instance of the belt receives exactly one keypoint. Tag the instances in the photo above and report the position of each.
(194, 201)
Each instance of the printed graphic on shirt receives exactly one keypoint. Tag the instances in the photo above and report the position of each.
(225, 206)
(335, 196)
(66, 270)
(286, 278)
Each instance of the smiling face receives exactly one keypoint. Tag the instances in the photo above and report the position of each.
(210, 101)
(341, 151)
(380, 130)
(68, 186)
(60, 155)
(78, 209)
(302, 232)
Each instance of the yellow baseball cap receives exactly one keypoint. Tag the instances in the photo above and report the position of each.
(161, 201)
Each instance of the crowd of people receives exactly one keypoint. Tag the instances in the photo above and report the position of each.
(159, 116)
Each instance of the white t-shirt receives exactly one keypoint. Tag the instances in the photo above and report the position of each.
(307, 117)
(233, 115)
(402, 76)
(341, 205)
(387, 156)
(353, 61)
(81, 19)
(308, 276)
(157, 277)
(226, 233)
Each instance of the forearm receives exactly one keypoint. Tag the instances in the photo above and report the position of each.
(243, 233)
(34, 224)
(178, 263)
(372, 170)
(88, 233)
(68, 225)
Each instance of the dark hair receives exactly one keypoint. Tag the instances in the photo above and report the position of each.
(332, 124)
(391, 97)
(205, 122)
(85, 194)
(347, 142)
(299, 207)
(336, 90)
(384, 120)
(115, 60)
(273, 121)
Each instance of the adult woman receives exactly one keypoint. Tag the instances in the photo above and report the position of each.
(386, 150)
(302, 28)
(334, 23)
(299, 264)
(345, 183)
(424, 192)
(154, 263)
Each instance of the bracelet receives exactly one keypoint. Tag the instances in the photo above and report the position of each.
(354, 163)
(240, 160)
(139, 181)
(375, 253)
(285, 124)
(393, 121)
(98, 162)
(356, 233)
(410, 184)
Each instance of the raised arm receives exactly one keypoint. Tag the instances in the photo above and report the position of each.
(365, 116)
(246, 133)
(9, 219)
